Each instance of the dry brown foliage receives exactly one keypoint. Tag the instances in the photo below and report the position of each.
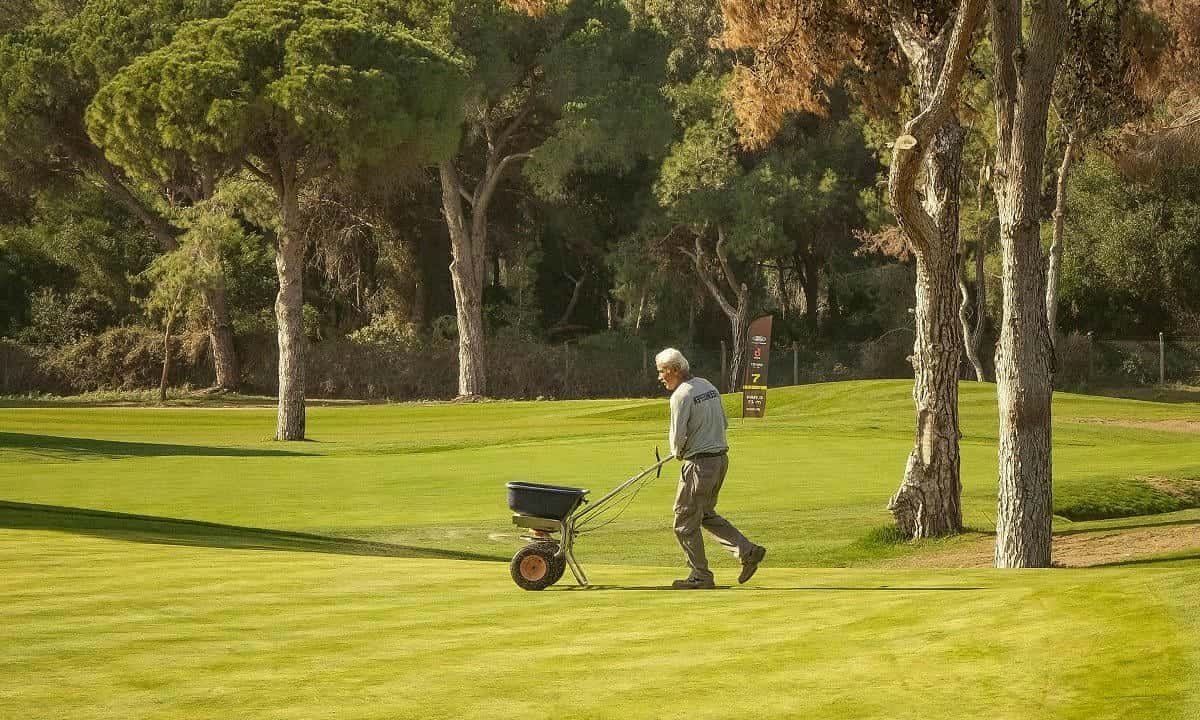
(889, 241)
(799, 49)
(532, 8)
(1171, 138)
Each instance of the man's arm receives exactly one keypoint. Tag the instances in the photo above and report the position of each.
(681, 408)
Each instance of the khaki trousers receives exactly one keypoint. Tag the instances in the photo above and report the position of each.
(700, 483)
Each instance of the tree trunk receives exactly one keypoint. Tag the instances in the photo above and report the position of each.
(466, 273)
(739, 323)
(220, 335)
(166, 366)
(1056, 246)
(738, 312)
(928, 501)
(289, 316)
(811, 284)
(1022, 85)
(575, 292)
(973, 333)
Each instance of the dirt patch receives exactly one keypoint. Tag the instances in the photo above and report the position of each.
(1185, 426)
(1083, 549)
(1099, 548)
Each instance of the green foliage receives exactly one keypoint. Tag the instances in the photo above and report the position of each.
(315, 83)
(603, 76)
(51, 70)
(1131, 253)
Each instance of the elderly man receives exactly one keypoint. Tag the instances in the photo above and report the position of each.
(697, 438)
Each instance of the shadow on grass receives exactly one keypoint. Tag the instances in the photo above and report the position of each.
(58, 447)
(761, 588)
(1128, 526)
(196, 533)
(1156, 560)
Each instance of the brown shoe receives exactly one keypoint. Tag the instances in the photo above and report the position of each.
(694, 583)
(750, 564)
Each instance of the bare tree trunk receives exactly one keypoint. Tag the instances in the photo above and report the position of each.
(973, 331)
(928, 501)
(1056, 246)
(738, 312)
(566, 316)
(637, 325)
(739, 324)
(289, 315)
(1022, 84)
(466, 272)
(166, 366)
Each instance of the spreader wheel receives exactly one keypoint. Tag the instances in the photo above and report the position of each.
(535, 567)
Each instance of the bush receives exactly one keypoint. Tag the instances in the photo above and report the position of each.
(22, 370)
(128, 358)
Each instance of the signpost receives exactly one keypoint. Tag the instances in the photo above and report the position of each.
(758, 354)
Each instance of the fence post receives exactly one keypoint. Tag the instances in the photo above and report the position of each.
(795, 363)
(1162, 362)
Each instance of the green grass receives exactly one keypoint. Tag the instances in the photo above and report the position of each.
(177, 563)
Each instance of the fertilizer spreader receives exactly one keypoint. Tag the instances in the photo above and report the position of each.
(554, 516)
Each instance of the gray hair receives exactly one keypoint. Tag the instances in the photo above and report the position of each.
(672, 359)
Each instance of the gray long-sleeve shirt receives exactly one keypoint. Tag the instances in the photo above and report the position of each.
(697, 419)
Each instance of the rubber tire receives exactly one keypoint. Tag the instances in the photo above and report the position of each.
(546, 551)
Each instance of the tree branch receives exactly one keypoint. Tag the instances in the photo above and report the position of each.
(485, 189)
(165, 232)
(698, 261)
(722, 256)
(513, 126)
(910, 148)
(257, 171)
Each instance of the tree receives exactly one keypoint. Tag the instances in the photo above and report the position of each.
(1114, 47)
(561, 88)
(799, 49)
(288, 93)
(928, 500)
(48, 75)
(1022, 82)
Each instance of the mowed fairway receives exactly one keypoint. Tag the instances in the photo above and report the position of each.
(176, 563)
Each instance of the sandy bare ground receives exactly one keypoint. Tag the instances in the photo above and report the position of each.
(1180, 425)
(1083, 549)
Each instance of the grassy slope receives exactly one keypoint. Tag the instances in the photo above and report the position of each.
(403, 624)
(811, 480)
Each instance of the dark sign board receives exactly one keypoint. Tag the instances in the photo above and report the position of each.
(758, 354)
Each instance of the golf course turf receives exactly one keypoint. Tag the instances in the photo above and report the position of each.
(177, 563)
